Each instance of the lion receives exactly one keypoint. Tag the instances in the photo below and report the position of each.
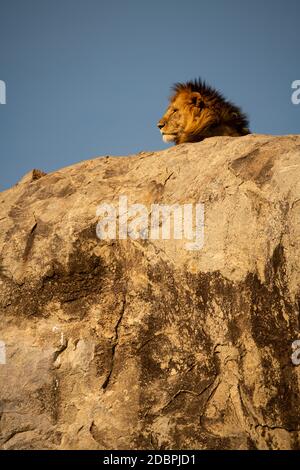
(197, 111)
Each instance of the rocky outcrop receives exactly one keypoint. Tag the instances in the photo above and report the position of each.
(142, 343)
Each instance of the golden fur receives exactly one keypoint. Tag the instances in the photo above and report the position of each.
(197, 111)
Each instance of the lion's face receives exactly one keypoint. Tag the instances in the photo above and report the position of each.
(184, 108)
(197, 111)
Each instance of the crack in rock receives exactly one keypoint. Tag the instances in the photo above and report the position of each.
(115, 343)
(16, 432)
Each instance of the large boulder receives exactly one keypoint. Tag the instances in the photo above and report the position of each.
(143, 343)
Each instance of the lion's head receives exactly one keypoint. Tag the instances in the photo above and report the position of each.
(196, 111)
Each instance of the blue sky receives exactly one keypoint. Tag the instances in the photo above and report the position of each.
(87, 78)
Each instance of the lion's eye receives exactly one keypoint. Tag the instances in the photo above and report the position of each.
(175, 110)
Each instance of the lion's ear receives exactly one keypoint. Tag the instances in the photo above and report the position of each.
(197, 100)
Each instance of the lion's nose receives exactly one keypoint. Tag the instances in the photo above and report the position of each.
(160, 124)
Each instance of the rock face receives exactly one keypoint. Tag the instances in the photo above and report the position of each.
(141, 343)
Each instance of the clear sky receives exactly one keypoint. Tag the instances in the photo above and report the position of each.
(86, 78)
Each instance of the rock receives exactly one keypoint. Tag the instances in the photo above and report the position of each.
(142, 343)
(32, 175)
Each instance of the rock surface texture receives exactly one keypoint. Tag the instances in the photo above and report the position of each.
(142, 344)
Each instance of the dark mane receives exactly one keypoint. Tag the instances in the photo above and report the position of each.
(214, 97)
(199, 86)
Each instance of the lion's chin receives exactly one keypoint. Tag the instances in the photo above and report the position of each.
(168, 137)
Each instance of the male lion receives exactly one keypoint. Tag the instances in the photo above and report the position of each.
(197, 111)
